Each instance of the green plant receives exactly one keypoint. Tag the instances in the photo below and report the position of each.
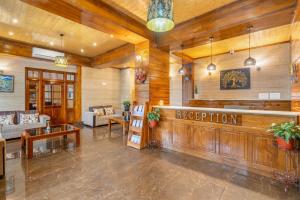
(126, 103)
(154, 115)
(286, 131)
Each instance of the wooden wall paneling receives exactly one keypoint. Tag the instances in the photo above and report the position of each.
(114, 57)
(280, 105)
(230, 21)
(97, 15)
(205, 137)
(182, 135)
(248, 146)
(78, 100)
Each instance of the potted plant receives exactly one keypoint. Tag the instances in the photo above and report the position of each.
(153, 117)
(286, 134)
(126, 105)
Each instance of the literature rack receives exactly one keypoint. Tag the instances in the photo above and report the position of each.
(137, 134)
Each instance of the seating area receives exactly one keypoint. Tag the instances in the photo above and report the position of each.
(150, 99)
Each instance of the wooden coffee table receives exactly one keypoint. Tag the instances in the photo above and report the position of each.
(119, 120)
(31, 135)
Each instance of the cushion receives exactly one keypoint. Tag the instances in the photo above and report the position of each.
(29, 118)
(7, 119)
(99, 111)
(109, 110)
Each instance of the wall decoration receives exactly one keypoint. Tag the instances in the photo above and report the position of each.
(235, 79)
(6, 83)
(140, 75)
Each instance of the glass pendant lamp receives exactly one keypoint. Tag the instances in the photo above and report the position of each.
(61, 61)
(160, 15)
(211, 67)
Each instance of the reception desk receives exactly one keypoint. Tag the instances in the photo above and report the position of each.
(229, 136)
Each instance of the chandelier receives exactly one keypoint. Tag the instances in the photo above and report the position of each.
(160, 15)
(61, 61)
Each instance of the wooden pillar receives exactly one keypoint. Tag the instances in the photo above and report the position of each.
(156, 89)
(78, 97)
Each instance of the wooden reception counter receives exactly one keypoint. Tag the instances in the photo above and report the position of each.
(230, 136)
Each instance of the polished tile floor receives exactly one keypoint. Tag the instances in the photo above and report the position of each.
(104, 168)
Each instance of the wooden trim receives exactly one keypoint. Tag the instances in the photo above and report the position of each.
(230, 21)
(97, 15)
(25, 50)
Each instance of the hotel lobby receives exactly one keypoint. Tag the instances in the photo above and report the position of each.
(150, 99)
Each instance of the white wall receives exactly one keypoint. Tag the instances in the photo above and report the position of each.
(274, 62)
(127, 85)
(13, 65)
(100, 87)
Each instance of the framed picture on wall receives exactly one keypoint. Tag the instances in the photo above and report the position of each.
(6, 83)
(235, 79)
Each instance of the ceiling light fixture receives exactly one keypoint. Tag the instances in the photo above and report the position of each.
(160, 15)
(10, 33)
(15, 21)
(111, 35)
(61, 61)
(250, 61)
(82, 50)
(94, 44)
(211, 67)
(51, 43)
(182, 70)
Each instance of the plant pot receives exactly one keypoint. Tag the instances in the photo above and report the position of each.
(153, 123)
(126, 107)
(282, 144)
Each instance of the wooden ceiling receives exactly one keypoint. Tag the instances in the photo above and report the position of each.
(36, 26)
(258, 39)
(183, 10)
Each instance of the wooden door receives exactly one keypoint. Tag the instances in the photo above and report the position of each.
(53, 101)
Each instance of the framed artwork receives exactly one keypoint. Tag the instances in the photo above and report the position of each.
(235, 79)
(6, 83)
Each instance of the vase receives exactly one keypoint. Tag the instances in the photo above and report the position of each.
(283, 144)
(152, 123)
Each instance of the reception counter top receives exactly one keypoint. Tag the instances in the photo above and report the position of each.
(257, 112)
(234, 137)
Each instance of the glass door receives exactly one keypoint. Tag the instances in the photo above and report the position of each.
(53, 103)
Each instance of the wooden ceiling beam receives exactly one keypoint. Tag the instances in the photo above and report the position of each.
(97, 15)
(186, 59)
(25, 50)
(230, 21)
(115, 57)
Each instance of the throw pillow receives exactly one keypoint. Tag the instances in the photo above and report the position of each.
(29, 118)
(99, 111)
(7, 119)
(109, 111)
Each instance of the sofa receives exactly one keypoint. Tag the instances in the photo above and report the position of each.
(97, 115)
(15, 129)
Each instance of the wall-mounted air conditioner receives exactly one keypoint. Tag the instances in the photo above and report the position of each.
(45, 53)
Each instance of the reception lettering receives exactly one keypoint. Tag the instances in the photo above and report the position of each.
(222, 118)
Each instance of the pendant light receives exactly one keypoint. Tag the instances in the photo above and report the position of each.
(211, 67)
(182, 70)
(250, 61)
(61, 61)
(160, 15)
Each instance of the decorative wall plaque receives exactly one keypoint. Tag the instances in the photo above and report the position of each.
(235, 79)
(214, 117)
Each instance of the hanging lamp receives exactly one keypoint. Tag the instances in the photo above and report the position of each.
(250, 61)
(182, 70)
(211, 67)
(61, 61)
(160, 15)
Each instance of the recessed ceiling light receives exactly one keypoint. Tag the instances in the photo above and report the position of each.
(10, 33)
(15, 21)
(51, 43)
(81, 50)
(111, 35)
(94, 44)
